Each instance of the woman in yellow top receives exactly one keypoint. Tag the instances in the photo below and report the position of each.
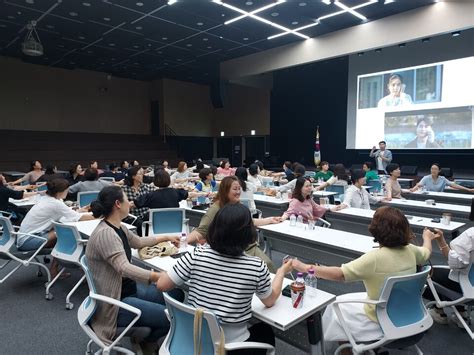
(395, 257)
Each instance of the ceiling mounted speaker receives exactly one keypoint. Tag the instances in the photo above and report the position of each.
(32, 45)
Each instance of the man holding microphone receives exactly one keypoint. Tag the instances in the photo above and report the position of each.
(382, 157)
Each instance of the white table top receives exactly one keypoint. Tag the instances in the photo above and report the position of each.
(282, 315)
(331, 237)
(269, 199)
(87, 227)
(438, 207)
(324, 193)
(414, 221)
(434, 194)
(184, 204)
(26, 202)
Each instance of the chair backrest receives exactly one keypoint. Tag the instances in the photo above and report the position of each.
(167, 220)
(180, 339)
(107, 178)
(339, 189)
(377, 185)
(408, 170)
(201, 200)
(86, 198)
(403, 312)
(466, 279)
(67, 246)
(310, 174)
(7, 239)
(245, 202)
(43, 187)
(267, 181)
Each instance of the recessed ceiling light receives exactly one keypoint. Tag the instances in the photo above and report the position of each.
(245, 38)
(360, 54)
(61, 45)
(165, 63)
(87, 4)
(139, 4)
(112, 59)
(179, 60)
(294, 22)
(90, 52)
(81, 37)
(112, 44)
(402, 45)
(135, 46)
(164, 38)
(302, 4)
(3, 25)
(189, 45)
(209, 47)
(455, 34)
(139, 28)
(199, 23)
(159, 52)
(106, 18)
(11, 17)
(249, 3)
(30, 1)
(149, 44)
(378, 50)
(18, 12)
(205, 39)
(73, 14)
(221, 37)
(424, 40)
(274, 14)
(50, 26)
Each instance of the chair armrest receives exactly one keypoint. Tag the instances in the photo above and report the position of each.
(446, 267)
(323, 221)
(83, 241)
(115, 302)
(132, 216)
(355, 300)
(248, 345)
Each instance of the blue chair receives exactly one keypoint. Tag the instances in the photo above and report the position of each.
(43, 187)
(201, 200)
(180, 340)
(164, 221)
(466, 298)
(310, 174)
(376, 185)
(10, 253)
(400, 311)
(68, 251)
(86, 198)
(89, 306)
(339, 189)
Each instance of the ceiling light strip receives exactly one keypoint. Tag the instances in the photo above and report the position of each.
(261, 19)
(255, 11)
(370, 2)
(349, 10)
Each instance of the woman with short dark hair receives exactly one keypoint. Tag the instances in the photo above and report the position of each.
(248, 189)
(392, 186)
(207, 182)
(370, 173)
(224, 169)
(76, 173)
(109, 256)
(91, 182)
(436, 182)
(254, 175)
(216, 289)
(394, 257)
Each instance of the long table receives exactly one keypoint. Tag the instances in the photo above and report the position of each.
(282, 315)
(445, 197)
(24, 203)
(420, 208)
(324, 245)
(357, 220)
(270, 206)
(87, 227)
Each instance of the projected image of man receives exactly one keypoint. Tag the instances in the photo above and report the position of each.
(396, 96)
(425, 136)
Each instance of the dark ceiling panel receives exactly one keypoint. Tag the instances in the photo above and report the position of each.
(148, 39)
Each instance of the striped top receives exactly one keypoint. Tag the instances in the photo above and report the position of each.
(223, 284)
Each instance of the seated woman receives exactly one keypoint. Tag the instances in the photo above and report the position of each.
(356, 196)
(229, 193)
(254, 176)
(75, 173)
(182, 173)
(395, 257)
(207, 183)
(225, 169)
(134, 188)
(36, 170)
(302, 204)
(91, 182)
(287, 172)
(436, 182)
(248, 188)
(51, 172)
(165, 196)
(299, 171)
(16, 193)
(392, 186)
(124, 166)
(458, 254)
(38, 221)
(230, 234)
(324, 173)
(109, 257)
(370, 173)
(340, 178)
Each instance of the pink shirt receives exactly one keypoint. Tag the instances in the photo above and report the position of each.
(225, 172)
(306, 209)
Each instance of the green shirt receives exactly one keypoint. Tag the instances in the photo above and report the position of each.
(371, 175)
(375, 266)
(323, 175)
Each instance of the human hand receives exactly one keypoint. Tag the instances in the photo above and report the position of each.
(273, 220)
(299, 265)
(429, 235)
(174, 240)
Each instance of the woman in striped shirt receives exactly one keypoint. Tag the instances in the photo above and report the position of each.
(223, 279)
